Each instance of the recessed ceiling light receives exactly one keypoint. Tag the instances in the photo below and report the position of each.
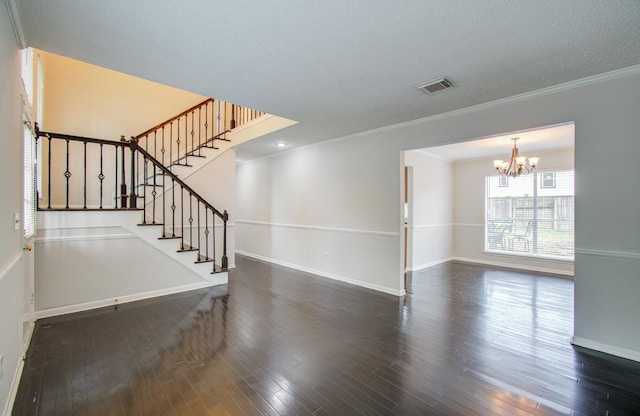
(280, 144)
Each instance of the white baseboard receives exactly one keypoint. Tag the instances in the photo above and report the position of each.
(13, 390)
(63, 310)
(344, 279)
(567, 273)
(606, 348)
(433, 263)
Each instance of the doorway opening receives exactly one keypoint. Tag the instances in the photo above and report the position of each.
(461, 208)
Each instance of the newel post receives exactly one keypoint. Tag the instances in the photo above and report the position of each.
(225, 260)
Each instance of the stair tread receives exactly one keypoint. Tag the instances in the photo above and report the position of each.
(145, 224)
(203, 259)
(168, 237)
(187, 247)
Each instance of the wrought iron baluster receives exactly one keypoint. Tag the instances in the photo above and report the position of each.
(206, 232)
(144, 190)
(154, 193)
(49, 173)
(35, 139)
(190, 221)
(193, 116)
(219, 120)
(173, 207)
(132, 196)
(213, 240)
(233, 117)
(177, 144)
(170, 145)
(115, 180)
(181, 217)
(200, 131)
(67, 174)
(164, 207)
(206, 123)
(198, 231)
(123, 184)
(101, 176)
(84, 205)
(162, 149)
(224, 263)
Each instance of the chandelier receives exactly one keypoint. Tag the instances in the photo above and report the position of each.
(517, 165)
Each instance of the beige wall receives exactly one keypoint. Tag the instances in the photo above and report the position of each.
(87, 100)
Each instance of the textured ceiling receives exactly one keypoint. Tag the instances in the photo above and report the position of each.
(342, 66)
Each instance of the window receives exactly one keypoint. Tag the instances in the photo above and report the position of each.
(29, 172)
(30, 99)
(548, 180)
(532, 216)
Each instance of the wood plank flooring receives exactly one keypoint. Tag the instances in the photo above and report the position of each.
(467, 340)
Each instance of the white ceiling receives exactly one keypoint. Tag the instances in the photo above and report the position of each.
(529, 142)
(342, 66)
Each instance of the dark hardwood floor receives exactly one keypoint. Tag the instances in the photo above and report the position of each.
(466, 340)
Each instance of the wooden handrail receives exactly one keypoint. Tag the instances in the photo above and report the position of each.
(134, 145)
(156, 127)
(224, 216)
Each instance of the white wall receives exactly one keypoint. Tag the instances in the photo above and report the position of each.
(88, 267)
(11, 201)
(469, 212)
(355, 183)
(215, 182)
(433, 205)
(332, 209)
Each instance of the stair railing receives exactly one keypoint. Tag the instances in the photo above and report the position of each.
(178, 229)
(179, 138)
(77, 174)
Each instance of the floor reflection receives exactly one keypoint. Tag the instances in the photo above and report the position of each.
(467, 339)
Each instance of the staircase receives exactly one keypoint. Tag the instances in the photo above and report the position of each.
(147, 174)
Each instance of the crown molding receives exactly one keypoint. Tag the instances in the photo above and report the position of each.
(16, 23)
(594, 79)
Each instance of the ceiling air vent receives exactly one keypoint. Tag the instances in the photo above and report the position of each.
(435, 85)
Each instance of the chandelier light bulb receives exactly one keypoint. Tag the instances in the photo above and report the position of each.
(516, 165)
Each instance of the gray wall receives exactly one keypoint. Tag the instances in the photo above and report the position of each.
(294, 207)
(11, 201)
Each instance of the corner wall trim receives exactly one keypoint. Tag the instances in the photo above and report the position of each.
(319, 228)
(63, 310)
(606, 348)
(344, 279)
